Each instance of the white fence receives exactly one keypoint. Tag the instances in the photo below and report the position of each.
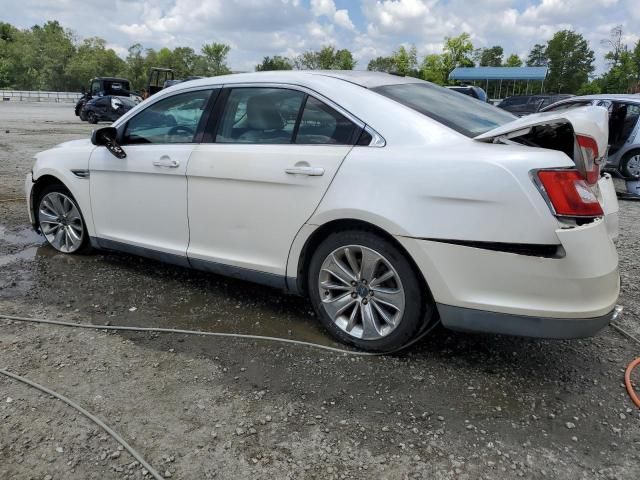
(38, 96)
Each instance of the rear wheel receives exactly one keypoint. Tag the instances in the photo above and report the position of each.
(61, 221)
(630, 164)
(366, 293)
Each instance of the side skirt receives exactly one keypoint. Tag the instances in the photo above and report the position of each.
(255, 276)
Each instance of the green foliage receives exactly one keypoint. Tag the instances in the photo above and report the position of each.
(457, 52)
(274, 63)
(491, 57)
(92, 59)
(570, 62)
(327, 58)
(513, 61)
(432, 69)
(590, 88)
(403, 61)
(538, 56)
(215, 59)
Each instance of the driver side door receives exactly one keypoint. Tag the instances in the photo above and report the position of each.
(139, 203)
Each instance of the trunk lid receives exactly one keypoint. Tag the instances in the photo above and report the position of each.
(582, 133)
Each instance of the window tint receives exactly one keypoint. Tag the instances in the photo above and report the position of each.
(260, 115)
(568, 106)
(171, 120)
(459, 112)
(321, 124)
(512, 101)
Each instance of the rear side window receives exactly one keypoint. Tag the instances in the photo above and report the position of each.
(458, 112)
(260, 115)
(568, 106)
(321, 124)
(171, 120)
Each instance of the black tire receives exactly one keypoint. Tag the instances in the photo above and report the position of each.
(85, 246)
(624, 164)
(91, 117)
(83, 115)
(419, 310)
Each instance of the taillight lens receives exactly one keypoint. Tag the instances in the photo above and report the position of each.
(590, 154)
(569, 193)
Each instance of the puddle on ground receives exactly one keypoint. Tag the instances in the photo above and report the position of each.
(27, 254)
(24, 236)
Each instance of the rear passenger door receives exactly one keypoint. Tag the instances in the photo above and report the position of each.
(268, 156)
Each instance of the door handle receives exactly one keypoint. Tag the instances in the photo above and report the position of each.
(166, 162)
(309, 171)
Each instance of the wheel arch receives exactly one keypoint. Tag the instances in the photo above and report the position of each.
(39, 185)
(299, 282)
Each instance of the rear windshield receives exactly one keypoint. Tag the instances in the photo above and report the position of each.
(462, 113)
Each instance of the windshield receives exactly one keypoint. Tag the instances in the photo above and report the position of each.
(462, 113)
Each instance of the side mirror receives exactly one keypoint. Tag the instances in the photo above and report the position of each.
(106, 137)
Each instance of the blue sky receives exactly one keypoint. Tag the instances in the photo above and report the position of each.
(369, 28)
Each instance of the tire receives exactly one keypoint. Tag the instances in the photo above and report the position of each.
(630, 164)
(91, 117)
(61, 221)
(335, 300)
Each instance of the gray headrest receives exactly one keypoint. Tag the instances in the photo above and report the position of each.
(262, 114)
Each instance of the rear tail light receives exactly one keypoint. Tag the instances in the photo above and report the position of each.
(569, 193)
(590, 156)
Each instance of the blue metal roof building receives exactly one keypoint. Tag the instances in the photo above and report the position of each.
(498, 73)
(483, 75)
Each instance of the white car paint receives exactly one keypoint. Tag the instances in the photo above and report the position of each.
(235, 205)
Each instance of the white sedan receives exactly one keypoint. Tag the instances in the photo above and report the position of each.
(390, 202)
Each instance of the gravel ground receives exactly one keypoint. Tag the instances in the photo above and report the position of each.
(455, 406)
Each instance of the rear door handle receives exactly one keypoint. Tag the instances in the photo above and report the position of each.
(166, 162)
(310, 171)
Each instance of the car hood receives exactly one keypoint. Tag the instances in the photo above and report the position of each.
(589, 121)
(84, 142)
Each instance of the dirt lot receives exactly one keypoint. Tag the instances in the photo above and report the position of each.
(454, 406)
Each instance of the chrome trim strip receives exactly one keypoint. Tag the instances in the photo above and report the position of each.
(81, 173)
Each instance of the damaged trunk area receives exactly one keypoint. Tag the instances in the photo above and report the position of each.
(554, 137)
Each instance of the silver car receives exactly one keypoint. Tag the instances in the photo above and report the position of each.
(624, 128)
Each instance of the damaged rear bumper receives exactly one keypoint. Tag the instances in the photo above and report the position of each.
(566, 296)
(470, 320)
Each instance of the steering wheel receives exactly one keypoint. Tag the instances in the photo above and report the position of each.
(181, 130)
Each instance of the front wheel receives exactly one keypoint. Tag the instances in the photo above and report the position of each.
(366, 293)
(92, 117)
(61, 221)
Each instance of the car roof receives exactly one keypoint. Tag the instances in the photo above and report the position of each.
(362, 78)
(111, 79)
(607, 96)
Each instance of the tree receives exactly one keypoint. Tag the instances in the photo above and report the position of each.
(406, 61)
(381, 64)
(614, 43)
(92, 59)
(538, 56)
(491, 57)
(513, 61)
(215, 58)
(432, 69)
(327, 58)
(274, 63)
(136, 67)
(457, 52)
(570, 62)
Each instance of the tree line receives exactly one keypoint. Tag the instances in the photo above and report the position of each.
(49, 57)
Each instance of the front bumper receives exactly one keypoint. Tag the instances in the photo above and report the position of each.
(582, 285)
(469, 320)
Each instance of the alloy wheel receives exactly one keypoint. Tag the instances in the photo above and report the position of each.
(61, 222)
(633, 165)
(361, 292)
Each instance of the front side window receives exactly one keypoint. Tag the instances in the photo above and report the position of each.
(458, 112)
(321, 124)
(260, 115)
(171, 120)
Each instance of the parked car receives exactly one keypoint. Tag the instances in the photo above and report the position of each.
(100, 86)
(108, 108)
(624, 128)
(521, 105)
(389, 201)
(475, 92)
